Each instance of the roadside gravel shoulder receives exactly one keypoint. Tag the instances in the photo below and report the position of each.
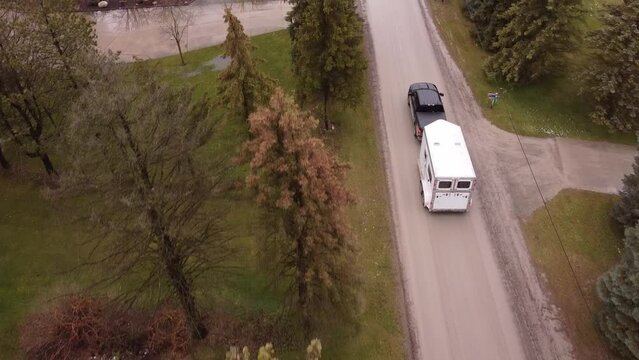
(411, 346)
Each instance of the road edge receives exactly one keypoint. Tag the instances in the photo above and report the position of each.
(404, 306)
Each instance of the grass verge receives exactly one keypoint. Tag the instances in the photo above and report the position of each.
(35, 242)
(552, 107)
(592, 241)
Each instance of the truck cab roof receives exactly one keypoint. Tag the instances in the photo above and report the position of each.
(427, 97)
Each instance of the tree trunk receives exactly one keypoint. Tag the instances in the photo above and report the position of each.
(3, 160)
(302, 289)
(327, 125)
(180, 51)
(247, 110)
(171, 259)
(174, 268)
(175, 272)
(48, 165)
(182, 286)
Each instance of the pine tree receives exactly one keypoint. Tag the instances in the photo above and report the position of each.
(300, 184)
(626, 210)
(485, 15)
(534, 40)
(619, 292)
(612, 75)
(294, 18)
(242, 86)
(327, 50)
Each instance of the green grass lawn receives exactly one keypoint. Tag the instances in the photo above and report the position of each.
(593, 243)
(552, 107)
(36, 245)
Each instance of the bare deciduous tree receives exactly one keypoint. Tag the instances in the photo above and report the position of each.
(175, 21)
(46, 52)
(135, 144)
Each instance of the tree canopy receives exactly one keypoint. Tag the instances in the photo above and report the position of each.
(534, 40)
(619, 292)
(327, 49)
(611, 77)
(135, 155)
(242, 86)
(301, 186)
(47, 53)
(487, 20)
(626, 210)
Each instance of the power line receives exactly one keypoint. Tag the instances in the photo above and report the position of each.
(552, 222)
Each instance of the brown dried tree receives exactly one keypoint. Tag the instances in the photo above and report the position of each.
(135, 143)
(300, 183)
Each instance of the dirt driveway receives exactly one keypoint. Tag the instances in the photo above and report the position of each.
(471, 289)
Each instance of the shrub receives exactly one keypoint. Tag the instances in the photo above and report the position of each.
(76, 327)
(169, 333)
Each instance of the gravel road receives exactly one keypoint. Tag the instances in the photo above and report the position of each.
(471, 291)
(470, 288)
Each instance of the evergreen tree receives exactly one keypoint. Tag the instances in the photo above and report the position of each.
(327, 50)
(626, 210)
(534, 40)
(242, 86)
(294, 17)
(619, 292)
(485, 15)
(300, 184)
(612, 75)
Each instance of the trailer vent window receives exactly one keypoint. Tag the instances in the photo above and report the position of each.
(436, 143)
(445, 185)
(463, 184)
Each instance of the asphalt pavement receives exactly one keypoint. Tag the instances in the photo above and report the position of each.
(138, 32)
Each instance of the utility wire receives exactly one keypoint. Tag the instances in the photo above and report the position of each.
(552, 222)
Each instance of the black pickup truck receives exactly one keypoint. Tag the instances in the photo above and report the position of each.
(425, 106)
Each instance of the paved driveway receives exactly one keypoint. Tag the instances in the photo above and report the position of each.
(136, 32)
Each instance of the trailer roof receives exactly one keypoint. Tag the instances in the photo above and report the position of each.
(448, 151)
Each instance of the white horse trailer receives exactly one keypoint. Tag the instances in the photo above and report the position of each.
(447, 176)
